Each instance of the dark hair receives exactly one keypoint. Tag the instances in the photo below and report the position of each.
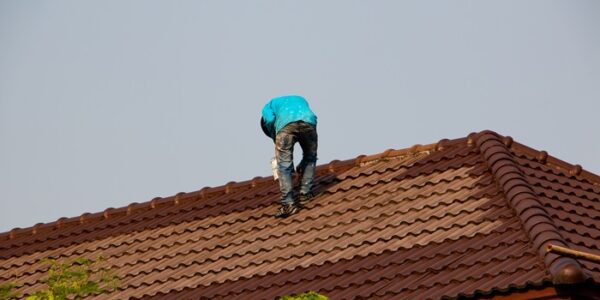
(263, 126)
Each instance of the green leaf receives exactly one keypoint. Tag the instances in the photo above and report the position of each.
(75, 279)
(6, 291)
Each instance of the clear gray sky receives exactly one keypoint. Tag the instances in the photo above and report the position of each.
(104, 103)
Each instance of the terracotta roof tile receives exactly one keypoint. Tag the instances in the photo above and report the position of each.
(461, 217)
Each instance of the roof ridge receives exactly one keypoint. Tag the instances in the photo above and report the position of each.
(542, 157)
(537, 223)
(333, 166)
(105, 225)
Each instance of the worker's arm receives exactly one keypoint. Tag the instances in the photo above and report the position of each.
(269, 116)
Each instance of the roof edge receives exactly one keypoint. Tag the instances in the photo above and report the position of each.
(538, 225)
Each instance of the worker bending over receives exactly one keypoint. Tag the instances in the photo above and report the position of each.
(287, 120)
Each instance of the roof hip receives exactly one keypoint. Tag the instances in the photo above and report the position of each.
(538, 225)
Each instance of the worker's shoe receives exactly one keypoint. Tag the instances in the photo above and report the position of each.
(304, 199)
(287, 210)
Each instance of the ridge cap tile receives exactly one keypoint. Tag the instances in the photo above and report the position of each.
(564, 270)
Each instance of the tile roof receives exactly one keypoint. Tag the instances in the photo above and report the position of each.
(463, 217)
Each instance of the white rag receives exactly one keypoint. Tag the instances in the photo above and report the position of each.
(274, 168)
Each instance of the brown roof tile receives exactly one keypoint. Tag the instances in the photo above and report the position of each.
(461, 217)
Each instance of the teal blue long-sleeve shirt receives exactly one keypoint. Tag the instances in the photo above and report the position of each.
(283, 110)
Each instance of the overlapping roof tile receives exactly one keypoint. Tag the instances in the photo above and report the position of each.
(459, 218)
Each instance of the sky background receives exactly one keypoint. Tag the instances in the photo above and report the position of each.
(105, 103)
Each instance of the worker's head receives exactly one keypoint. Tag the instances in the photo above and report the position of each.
(263, 126)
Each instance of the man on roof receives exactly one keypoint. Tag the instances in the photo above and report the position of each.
(287, 120)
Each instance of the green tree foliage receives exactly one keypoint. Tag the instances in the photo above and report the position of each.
(6, 291)
(306, 296)
(75, 279)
